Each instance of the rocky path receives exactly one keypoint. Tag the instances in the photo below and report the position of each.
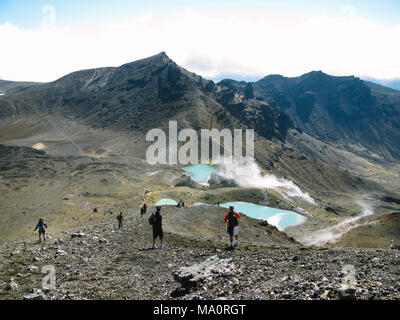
(102, 262)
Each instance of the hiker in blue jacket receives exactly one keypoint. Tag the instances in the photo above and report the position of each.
(41, 225)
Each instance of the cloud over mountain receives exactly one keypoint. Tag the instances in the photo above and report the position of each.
(231, 42)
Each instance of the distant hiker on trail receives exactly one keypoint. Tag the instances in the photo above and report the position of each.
(180, 204)
(143, 209)
(120, 219)
(156, 221)
(41, 225)
(232, 219)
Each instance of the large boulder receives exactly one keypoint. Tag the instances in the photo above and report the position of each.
(202, 272)
(36, 294)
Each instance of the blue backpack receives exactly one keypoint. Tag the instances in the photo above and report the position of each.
(152, 219)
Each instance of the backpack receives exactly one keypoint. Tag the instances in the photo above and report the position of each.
(233, 220)
(155, 219)
(152, 219)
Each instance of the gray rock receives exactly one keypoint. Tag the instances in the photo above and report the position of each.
(61, 252)
(103, 240)
(347, 293)
(77, 235)
(36, 296)
(263, 223)
(284, 205)
(394, 246)
(204, 271)
(32, 268)
(12, 286)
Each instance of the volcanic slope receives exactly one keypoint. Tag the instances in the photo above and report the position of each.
(103, 262)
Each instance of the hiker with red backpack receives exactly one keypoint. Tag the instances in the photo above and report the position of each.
(232, 219)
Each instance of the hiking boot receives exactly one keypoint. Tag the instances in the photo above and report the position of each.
(162, 246)
(153, 247)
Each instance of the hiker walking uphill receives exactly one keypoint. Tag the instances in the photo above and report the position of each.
(232, 219)
(120, 219)
(143, 209)
(156, 221)
(41, 225)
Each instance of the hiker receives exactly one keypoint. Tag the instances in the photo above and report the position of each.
(181, 204)
(232, 219)
(143, 209)
(156, 221)
(41, 225)
(120, 219)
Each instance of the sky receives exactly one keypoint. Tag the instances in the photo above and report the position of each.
(244, 40)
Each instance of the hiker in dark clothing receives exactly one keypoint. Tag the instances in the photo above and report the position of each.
(120, 218)
(156, 221)
(180, 204)
(232, 219)
(41, 225)
(143, 209)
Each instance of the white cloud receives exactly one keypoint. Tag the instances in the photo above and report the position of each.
(349, 10)
(248, 43)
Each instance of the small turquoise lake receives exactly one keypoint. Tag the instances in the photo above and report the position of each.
(277, 217)
(166, 202)
(199, 172)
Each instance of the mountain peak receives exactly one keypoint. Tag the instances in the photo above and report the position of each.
(314, 74)
(157, 58)
(162, 54)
